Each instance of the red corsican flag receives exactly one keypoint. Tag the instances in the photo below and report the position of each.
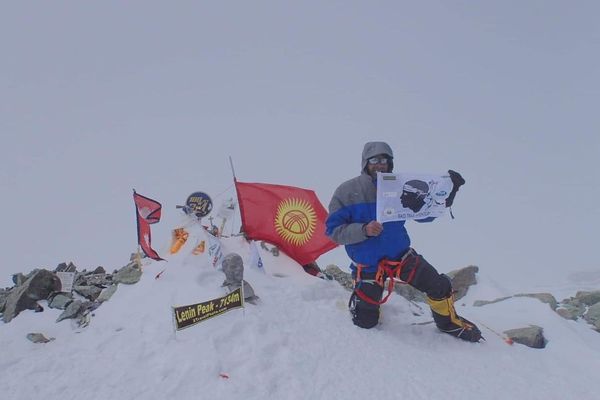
(148, 212)
(291, 218)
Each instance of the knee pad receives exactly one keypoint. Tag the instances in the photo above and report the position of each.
(364, 314)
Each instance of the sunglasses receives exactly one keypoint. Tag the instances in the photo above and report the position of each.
(377, 160)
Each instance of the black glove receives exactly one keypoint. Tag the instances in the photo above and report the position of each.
(457, 182)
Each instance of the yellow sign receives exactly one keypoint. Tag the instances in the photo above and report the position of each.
(295, 221)
(186, 316)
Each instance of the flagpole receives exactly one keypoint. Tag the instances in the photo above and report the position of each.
(237, 195)
(232, 170)
(138, 257)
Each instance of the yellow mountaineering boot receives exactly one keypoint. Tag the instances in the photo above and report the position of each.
(448, 321)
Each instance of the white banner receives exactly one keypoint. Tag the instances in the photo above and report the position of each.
(66, 281)
(214, 250)
(411, 196)
(255, 259)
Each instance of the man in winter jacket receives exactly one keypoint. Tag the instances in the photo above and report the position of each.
(383, 251)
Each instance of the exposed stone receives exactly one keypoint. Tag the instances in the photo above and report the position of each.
(91, 278)
(543, 297)
(19, 279)
(89, 292)
(462, 279)
(60, 300)
(38, 286)
(479, 303)
(38, 338)
(409, 292)
(107, 293)
(593, 316)
(588, 298)
(532, 336)
(3, 295)
(64, 267)
(571, 309)
(233, 268)
(343, 278)
(99, 270)
(566, 314)
(129, 274)
(74, 310)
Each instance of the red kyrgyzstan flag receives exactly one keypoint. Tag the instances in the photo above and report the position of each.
(148, 212)
(291, 218)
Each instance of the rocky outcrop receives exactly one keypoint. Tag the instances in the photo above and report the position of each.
(341, 277)
(546, 298)
(584, 305)
(593, 316)
(129, 274)
(462, 279)
(532, 336)
(38, 285)
(38, 338)
(89, 290)
(543, 297)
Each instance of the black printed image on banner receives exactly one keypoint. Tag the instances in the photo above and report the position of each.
(186, 316)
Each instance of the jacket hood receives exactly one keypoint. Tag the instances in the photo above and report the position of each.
(373, 149)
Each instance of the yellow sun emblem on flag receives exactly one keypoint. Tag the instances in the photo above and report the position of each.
(295, 221)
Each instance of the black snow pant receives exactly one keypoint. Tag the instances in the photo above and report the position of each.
(416, 271)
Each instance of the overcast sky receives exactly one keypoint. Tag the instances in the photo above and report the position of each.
(99, 98)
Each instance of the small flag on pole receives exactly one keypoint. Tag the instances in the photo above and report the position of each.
(148, 212)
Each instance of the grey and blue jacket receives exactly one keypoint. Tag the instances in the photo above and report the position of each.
(352, 206)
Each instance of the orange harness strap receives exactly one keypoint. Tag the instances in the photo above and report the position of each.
(387, 269)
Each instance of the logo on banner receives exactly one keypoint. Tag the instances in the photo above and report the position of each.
(199, 203)
(295, 221)
(186, 316)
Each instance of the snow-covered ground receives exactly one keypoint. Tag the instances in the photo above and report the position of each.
(298, 342)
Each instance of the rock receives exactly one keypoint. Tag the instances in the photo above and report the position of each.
(60, 300)
(64, 267)
(588, 298)
(38, 338)
(3, 295)
(92, 278)
(531, 336)
(89, 292)
(566, 314)
(129, 274)
(74, 310)
(99, 270)
(462, 279)
(480, 303)
(40, 284)
(593, 316)
(408, 292)
(343, 278)
(19, 279)
(233, 268)
(571, 309)
(107, 293)
(543, 297)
